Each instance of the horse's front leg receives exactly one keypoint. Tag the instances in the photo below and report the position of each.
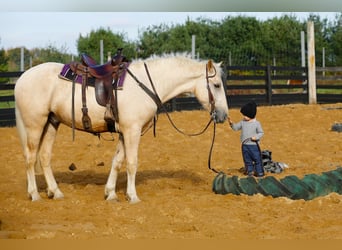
(110, 192)
(131, 144)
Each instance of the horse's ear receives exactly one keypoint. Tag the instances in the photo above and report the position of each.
(210, 64)
(220, 64)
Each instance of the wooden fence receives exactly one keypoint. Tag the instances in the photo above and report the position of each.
(7, 115)
(266, 85)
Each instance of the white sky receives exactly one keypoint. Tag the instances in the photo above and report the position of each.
(62, 29)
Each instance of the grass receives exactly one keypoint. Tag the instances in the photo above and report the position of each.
(6, 104)
(329, 91)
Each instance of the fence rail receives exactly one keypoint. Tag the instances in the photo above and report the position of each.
(267, 85)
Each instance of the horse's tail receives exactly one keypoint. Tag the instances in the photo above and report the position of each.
(20, 128)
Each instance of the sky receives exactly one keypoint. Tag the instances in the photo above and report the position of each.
(62, 29)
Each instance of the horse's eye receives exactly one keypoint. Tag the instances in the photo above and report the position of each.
(217, 85)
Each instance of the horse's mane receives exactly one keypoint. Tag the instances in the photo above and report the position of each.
(172, 54)
(178, 57)
(186, 56)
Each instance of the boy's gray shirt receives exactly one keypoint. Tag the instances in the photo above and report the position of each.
(249, 129)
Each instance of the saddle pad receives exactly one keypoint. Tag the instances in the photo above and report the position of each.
(67, 74)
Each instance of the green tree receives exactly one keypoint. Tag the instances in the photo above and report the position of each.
(153, 40)
(90, 44)
(159, 39)
(322, 36)
(281, 38)
(240, 39)
(207, 37)
(14, 59)
(334, 50)
(49, 54)
(3, 61)
(3, 64)
(37, 56)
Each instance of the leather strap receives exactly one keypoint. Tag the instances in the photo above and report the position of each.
(147, 90)
(85, 118)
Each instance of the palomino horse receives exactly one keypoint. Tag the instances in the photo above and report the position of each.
(40, 94)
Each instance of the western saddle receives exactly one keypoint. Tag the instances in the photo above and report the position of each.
(107, 79)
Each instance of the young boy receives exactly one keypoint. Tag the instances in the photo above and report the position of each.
(251, 132)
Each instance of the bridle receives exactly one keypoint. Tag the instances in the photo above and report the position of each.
(210, 94)
(212, 114)
(155, 97)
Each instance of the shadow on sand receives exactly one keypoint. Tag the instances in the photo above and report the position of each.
(87, 177)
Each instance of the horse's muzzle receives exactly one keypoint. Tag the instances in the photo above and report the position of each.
(219, 116)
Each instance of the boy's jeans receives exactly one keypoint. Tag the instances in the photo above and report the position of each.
(252, 158)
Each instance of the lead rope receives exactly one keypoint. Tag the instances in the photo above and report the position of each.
(211, 151)
(212, 114)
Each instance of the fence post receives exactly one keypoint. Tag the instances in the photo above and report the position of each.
(268, 85)
(311, 64)
(22, 60)
(193, 46)
(101, 51)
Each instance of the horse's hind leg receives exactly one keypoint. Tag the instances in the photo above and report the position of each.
(44, 156)
(110, 192)
(30, 139)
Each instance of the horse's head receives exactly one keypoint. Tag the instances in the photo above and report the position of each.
(212, 92)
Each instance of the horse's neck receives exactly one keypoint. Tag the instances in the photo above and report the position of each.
(176, 87)
(174, 80)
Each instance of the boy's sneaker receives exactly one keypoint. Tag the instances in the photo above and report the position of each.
(250, 174)
(259, 175)
(243, 171)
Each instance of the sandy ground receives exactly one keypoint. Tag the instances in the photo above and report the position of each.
(175, 185)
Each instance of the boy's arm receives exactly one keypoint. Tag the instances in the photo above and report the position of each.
(259, 133)
(230, 121)
(234, 126)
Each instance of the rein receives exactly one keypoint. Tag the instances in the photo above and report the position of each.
(212, 118)
(155, 97)
(167, 114)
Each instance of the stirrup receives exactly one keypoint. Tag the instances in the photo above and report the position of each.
(108, 116)
(86, 122)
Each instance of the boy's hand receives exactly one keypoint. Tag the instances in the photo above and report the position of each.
(230, 121)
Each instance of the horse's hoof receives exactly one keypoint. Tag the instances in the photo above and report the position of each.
(58, 195)
(111, 197)
(134, 200)
(50, 194)
(35, 196)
